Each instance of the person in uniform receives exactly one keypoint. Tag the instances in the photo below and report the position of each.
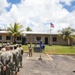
(8, 44)
(0, 61)
(3, 48)
(21, 54)
(6, 60)
(30, 50)
(17, 50)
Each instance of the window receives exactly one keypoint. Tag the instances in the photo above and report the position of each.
(19, 38)
(0, 37)
(54, 39)
(7, 37)
(38, 38)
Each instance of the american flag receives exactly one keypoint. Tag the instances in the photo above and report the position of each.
(51, 25)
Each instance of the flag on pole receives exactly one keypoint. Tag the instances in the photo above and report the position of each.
(51, 25)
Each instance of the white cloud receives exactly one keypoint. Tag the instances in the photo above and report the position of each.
(3, 5)
(38, 13)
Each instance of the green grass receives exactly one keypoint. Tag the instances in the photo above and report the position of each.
(55, 49)
(25, 47)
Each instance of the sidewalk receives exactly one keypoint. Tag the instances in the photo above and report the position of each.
(37, 55)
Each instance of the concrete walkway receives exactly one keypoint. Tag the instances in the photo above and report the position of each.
(32, 65)
(49, 65)
(36, 56)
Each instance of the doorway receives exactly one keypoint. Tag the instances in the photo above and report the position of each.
(46, 40)
(23, 40)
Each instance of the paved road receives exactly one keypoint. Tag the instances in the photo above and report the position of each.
(50, 65)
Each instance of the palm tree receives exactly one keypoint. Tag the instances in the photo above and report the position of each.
(28, 29)
(67, 34)
(15, 30)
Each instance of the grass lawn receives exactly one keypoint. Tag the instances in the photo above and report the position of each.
(55, 49)
(25, 47)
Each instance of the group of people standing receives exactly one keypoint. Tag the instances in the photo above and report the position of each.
(10, 59)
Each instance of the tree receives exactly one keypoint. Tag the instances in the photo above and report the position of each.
(28, 29)
(67, 35)
(15, 30)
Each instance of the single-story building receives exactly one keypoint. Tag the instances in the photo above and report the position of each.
(28, 37)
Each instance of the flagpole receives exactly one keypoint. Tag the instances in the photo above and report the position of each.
(51, 26)
(50, 35)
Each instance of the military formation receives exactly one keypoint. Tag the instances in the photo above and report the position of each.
(10, 59)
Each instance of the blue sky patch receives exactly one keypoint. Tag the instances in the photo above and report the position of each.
(14, 1)
(70, 8)
(8, 8)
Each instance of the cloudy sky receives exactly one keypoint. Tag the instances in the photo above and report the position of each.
(38, 14)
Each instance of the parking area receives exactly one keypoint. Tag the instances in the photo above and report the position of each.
(49, 65)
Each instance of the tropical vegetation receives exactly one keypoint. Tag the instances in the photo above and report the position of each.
(28, 29)
(68, 35)
(15, 30)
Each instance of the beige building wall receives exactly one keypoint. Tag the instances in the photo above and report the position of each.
(4, 38)
(59, 41)
(32, 38)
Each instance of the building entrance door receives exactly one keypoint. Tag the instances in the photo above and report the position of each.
(23, 40)
(46, 40)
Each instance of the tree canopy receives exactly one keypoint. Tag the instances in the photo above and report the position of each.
(67, 34)
(28, 29)
(15, 30)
